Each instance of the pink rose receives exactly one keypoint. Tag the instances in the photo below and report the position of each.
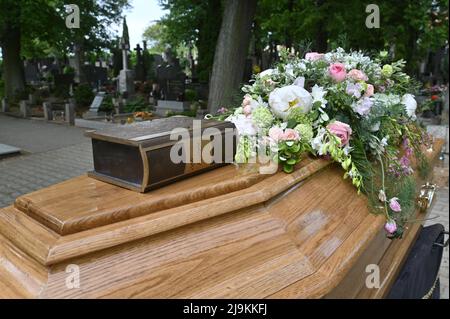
(247, 109)
(313, 56)
(357, 75)
(275, 133)
(341, 130)
(247, 100)
(369, 91)
(337, 72)
(390, 226)
(395, 205)
(290, 135)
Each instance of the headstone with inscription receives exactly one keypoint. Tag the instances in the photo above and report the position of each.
(95, 106)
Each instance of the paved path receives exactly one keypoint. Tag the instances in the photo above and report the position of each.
(54, 153)
(26, 173)
(38, 136)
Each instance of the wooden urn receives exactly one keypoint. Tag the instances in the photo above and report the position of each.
(227, 233)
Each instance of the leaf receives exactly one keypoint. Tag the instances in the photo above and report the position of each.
(290, 143)
(291, 161)
(324, 117)
(288, 168)
(295, 148)
(291, 123)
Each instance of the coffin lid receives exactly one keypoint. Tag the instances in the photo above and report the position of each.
(137, 133)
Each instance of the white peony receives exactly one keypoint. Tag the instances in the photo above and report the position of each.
(283, 100)
(410, 105)
(268, 72)
(244, 125)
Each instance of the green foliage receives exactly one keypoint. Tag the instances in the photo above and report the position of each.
(289, 154)
(157, 35)
(190, 24)
(413, 26)
(190, 95)
(107, 105)
(138, 104)
(83, 95)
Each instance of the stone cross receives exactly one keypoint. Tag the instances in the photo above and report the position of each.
(125, 48)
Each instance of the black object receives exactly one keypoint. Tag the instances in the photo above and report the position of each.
(137, 156)
(418, 278)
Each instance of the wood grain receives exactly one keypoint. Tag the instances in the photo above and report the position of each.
(277, 236)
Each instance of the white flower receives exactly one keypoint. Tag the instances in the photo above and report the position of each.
(382, 196)
(283, 100)
(244, 124)
(410, 105)
(375, 127)
(268, 72)
(290, 69)
(318, 93)
(317, 142)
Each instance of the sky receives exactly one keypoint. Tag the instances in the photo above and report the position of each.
(142, 14)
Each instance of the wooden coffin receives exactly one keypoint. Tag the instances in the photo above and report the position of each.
(137, 156)
(227, 233)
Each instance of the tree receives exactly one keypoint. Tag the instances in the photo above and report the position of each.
(191, 24)
(34, 27)
(21, 23)
(156, 34)
(231, 52)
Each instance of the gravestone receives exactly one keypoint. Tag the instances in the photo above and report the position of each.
(25, 109)
(172, 83)
(48, 112)
(96, 76)
(95, 105)
(171, 78)
(31, 72)
(69, 112)
(139, 69)
(5, 105)
(126, 76)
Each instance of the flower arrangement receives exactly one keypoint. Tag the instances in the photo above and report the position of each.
(353, 109)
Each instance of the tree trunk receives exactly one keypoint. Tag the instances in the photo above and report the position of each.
(231, 52)
(80, 77)
(13, 71)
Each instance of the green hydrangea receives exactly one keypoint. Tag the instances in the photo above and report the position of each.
(305, 131)
(298, 116)
(387, 70)
(262, 117)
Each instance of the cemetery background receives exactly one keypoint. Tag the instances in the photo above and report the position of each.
(175, 71)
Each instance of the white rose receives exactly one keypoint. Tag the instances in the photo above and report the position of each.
(410, 105)
(244, 124)
(283, 100)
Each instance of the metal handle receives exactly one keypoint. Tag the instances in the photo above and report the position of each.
(426, 196)
(444, 244)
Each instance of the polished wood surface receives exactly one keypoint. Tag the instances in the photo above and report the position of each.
(227, 233)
